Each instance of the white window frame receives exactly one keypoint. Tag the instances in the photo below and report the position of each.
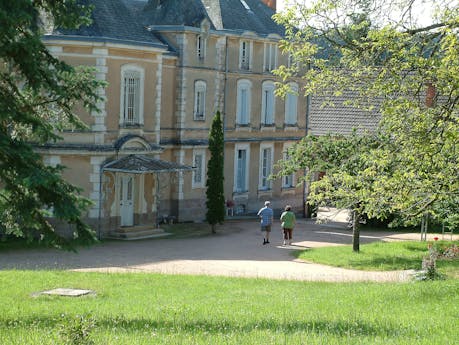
(292, 177)
(245, 55)
(201, 46)
(237, 148)
(268, 103)
(200, 90)
(270, 57)
(137, 118)
(291, 105)
(243, 109)
(266, 166)
(200, 171)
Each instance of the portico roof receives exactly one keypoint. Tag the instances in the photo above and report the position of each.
(140, 164)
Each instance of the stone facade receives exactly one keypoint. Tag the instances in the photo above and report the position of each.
(163, 88)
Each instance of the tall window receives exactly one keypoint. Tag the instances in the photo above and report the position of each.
(291, 105)
(131, 100)
(288, 180)
(199, 100)
(267, 103)
(201, 45)
(243, 102)
(265, 167)
(241, 169)
(245, 52)
(270, 60)
(199, 172)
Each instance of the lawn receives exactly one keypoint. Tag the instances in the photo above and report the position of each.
(381, 256)
(172, 309)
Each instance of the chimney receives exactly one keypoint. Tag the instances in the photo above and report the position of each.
(431, 93)
(270, 3)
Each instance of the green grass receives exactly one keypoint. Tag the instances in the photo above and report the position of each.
(382, 256)
(163, 309)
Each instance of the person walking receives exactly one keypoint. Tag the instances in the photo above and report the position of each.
(266, 216)
(288, 220)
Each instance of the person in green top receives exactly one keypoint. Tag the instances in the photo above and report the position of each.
(288, 220)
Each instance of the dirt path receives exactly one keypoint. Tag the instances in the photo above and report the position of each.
(236, 251)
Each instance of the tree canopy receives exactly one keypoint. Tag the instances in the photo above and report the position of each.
(396, 63)
(38, 95)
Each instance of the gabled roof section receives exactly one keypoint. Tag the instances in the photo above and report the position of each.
(231, 15)
(112, 21)
(140, 164)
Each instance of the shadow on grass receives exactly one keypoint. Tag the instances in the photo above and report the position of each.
(342, 328)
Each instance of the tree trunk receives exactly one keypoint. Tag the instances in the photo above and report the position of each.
(213, 227)
(355, 232)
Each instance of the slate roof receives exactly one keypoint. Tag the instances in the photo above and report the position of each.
(112, 21)
(340, 118)
(229, 15)
(139, 164)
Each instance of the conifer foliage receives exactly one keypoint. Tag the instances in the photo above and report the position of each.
(38, 94)
(215, 196)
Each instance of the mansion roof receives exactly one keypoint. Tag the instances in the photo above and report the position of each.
(131, 20)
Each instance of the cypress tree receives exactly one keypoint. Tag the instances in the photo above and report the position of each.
(215, 196)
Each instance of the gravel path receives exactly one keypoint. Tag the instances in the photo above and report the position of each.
(235, 251)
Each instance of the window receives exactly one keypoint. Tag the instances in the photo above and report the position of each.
(131, 100)
(199, 165)
(291, 105)
(270, 61)
(267, 103)
(199, 100)
(245, 51)
(243, 102)
(241, 168)
(288, 181)
(201, 45)
(266, 153)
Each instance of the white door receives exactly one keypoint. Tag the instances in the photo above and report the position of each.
(127, 201)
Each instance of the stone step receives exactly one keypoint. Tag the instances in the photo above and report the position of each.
(137, 233)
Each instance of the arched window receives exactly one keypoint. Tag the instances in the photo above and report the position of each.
(267, 103)
(200, 100)
(291, 105)
(244, 88)
(131, 95)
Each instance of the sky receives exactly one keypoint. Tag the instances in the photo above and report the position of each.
(280, 4)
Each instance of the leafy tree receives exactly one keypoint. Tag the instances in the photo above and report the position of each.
(37, 96)
(215, 195)
(408, 71)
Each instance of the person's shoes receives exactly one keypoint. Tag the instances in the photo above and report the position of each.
(264, 242)
(267, 241)
(284, 243)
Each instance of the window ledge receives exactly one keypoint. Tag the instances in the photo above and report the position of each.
(245, 127)
(290, 127)
(288, 190)
(240, 195)
(265, 192)
(268, 127)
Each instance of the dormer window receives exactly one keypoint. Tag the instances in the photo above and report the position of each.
(245, 55)
(270, 60)
(201, 45)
